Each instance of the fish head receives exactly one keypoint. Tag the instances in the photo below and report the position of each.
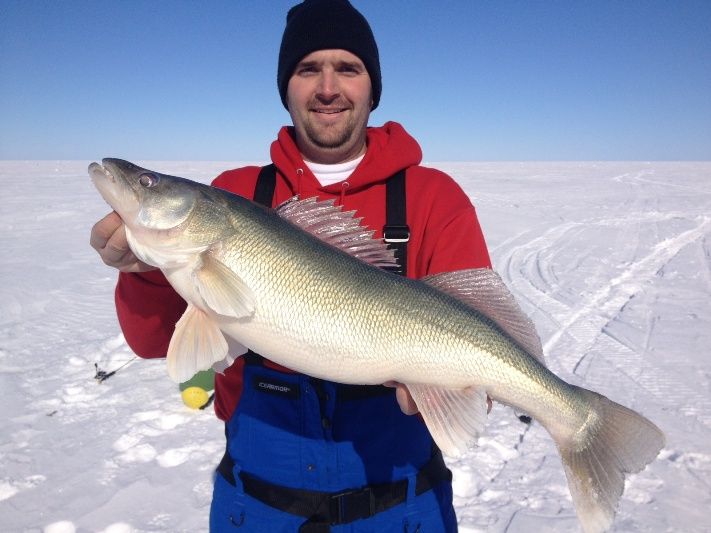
(144, 199)
(165, 216)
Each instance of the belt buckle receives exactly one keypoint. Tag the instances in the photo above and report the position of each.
(348, 505)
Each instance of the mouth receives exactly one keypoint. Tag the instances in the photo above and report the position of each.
(114, 189)
(329, 110)
(99, 172)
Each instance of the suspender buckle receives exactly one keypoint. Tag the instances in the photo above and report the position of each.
(394, 234)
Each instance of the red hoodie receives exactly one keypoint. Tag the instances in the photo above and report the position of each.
(444, 234)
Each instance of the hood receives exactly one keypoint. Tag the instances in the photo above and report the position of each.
(390, 148)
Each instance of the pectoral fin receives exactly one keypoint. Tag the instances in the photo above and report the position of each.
(455, 418)
(223, 290)
(196, 344)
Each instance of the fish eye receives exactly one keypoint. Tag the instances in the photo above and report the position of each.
(148, 179)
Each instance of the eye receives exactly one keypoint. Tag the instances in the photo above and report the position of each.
(349, 69)
(306, 69)
(148, 179)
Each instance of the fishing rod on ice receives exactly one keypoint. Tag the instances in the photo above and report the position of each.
(102, 375)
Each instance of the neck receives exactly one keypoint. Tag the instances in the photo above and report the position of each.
(330, 156)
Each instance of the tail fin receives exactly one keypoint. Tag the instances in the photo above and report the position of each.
(613, 441)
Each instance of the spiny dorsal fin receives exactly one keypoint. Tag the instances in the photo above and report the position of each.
(341, 229)
(484, 290)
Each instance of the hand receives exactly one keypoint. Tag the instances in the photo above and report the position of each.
(108, 238)
(408, 405)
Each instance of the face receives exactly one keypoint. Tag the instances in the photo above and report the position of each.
(329, 98)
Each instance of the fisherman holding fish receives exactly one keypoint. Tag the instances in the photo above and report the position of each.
(297, 440)
(304, 331)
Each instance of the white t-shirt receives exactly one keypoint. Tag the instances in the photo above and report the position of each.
(330, 174)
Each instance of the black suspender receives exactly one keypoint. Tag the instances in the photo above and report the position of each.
(396, 232)
(266, 183)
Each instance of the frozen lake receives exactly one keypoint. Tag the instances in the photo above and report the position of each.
(611, 260)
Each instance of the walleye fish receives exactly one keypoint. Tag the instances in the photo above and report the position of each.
(300, 285)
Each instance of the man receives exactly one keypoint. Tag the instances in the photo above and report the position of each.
(305, 454)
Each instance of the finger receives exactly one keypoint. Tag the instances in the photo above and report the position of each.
(407, 404)
(116, 250)
(102, 231)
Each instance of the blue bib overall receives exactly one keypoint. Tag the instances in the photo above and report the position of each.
(290, 430)
(314, 456)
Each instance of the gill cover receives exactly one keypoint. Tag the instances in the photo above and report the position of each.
(165, 201)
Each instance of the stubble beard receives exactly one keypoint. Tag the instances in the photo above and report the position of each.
(330, 137)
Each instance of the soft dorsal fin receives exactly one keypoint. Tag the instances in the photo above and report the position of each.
(341, 229)
(484, 290)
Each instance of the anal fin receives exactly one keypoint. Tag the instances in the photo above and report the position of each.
(455, 418)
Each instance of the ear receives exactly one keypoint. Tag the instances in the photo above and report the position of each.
(286, 94)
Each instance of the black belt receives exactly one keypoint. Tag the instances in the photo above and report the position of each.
(325, 509)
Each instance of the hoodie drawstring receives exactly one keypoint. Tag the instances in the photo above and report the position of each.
(299, 175)
(299, 186)
(344, 187)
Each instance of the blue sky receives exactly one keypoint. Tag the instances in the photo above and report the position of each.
(471, 80)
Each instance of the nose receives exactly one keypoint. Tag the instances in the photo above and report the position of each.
(328, 87)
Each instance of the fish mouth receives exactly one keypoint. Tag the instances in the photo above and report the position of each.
(97, 171)
(112, 186)
(112, 172)
(103, 180)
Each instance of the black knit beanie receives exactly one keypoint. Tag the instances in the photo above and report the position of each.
(327, 24)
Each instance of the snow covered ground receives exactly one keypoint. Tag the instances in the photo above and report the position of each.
(611, 260)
